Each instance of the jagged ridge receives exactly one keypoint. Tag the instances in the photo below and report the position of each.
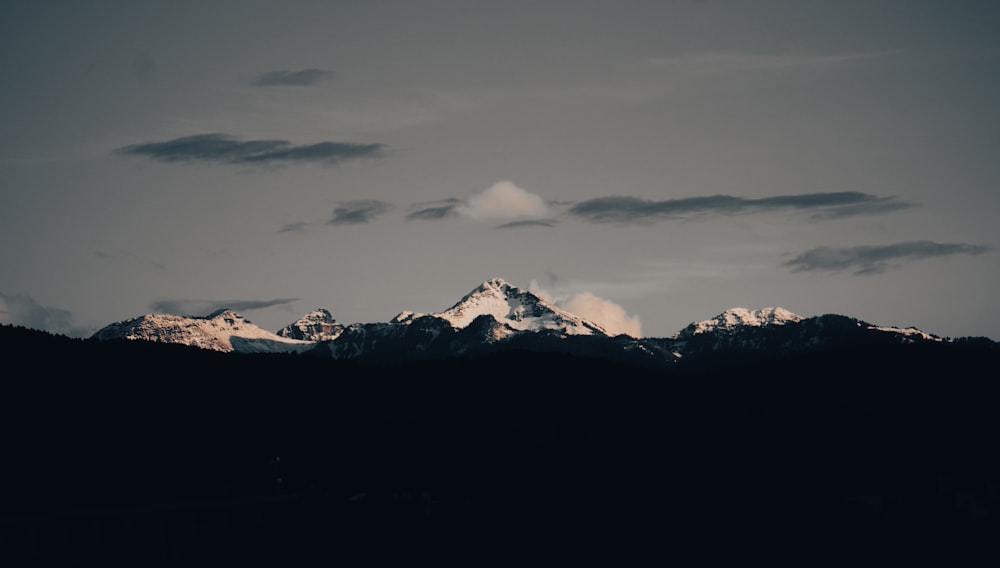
(735, 318)
(317, 325)
(496, 315)
(512, 307)
(222, 330)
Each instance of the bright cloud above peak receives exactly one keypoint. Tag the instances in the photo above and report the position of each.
(588, 306)
(504, 201)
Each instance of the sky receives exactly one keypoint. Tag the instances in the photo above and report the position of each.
(647, 163)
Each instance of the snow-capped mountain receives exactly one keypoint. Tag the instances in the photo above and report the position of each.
(223, 330)
(512, 307)
(739, 334)
(317, 325)
(499, 316)
(735, 319)
(491, 314)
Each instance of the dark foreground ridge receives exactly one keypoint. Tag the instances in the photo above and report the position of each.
(135, 453)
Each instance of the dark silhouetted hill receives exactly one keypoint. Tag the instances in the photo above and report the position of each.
(131, 453)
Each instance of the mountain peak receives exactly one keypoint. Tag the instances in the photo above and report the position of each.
(321, 313)
(224, 313)
(519, 309)
(317, 325)
(496, 282)
(496, 285)
(735, 318)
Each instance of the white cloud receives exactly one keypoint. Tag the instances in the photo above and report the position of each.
(504, 201)
(603, 312)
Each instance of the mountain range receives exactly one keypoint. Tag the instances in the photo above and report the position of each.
(497, 316)
(212, 439)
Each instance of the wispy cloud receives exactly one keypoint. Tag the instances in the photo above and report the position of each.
(528, 223)
(300, 78)
(502, 201)
(876, 258)
(295, 227)
(878, 206)
(433, 210)
(344, 213)
(23, 310)
(226, 149)
(357, 212)
(205, 307)
(622, 209)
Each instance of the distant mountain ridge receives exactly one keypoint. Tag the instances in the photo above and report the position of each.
(222, 330)
(497, 316)
(737, 318)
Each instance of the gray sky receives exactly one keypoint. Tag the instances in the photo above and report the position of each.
(670, 158)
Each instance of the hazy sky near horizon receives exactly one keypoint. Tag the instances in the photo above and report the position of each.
(663, 160)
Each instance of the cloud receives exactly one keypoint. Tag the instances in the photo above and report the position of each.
(878, 206)
(356, 212)
(435, 210)
(23, 310)
(301, 78)
(504, 201)
(876, 258)
(204, 307)
(226, 149)
(621, 209)
(603, 312)
(295, 227)
(528, 223)
(344, 213)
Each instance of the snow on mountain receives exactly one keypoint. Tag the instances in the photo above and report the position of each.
(406, 317)
(223, 330)
(908, 333)
(515, 308)
(497, 315)
(317, 325)
(486, 329)
(737, 318)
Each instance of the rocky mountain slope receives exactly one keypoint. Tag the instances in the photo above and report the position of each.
(497, 316)
(223, 330)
